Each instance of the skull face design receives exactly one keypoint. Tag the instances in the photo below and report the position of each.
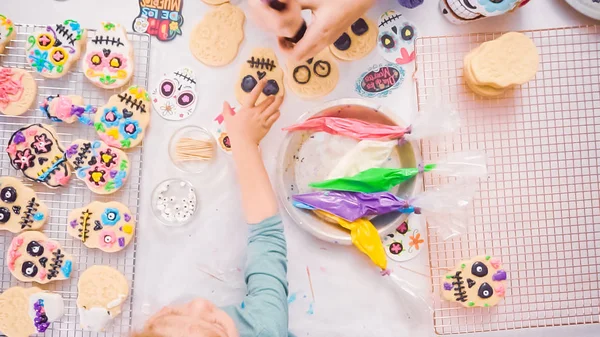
(67, 109)
(36, 151)
(262, 64)
(20, 208)
(108, 61)
(175, 97)
(53, 50)
(7, 31)
(107, 226)
(480, 282)
(104, 169)
(357, 42)
(407, 241)
(32, 257)
(27, 311)
(122, 122)
(101, 292)
(316, 77)
(140, 25)
(396, 42)
(462, 11)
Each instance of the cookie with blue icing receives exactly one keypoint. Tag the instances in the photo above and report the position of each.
(20, 207)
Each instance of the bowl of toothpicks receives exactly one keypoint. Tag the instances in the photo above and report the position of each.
(192, 149)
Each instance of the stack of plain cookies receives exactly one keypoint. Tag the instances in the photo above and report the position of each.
(499, 65)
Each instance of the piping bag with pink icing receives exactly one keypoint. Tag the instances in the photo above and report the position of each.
(435, 119)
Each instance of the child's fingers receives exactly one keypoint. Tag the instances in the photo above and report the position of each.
(253, 96)
(264, 105)
(227, 112)
(272, 119)
(271, 109)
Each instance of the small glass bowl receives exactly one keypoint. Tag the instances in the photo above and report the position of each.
(194, 132)
(174, 202)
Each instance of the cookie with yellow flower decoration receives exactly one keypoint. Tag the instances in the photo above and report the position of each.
(407, 241)
(7, 31)
(124, 120)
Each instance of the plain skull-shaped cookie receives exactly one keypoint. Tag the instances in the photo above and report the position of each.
(32, 257)
(20, 208)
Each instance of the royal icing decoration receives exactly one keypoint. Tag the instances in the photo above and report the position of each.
(262, 64)
(479, 282)
(32, 257)
(107, 226)
(162, 19)
(396, 41)
(28, 311)
(316, 77)
(175, 98)
(104, 169)
(20, 207)
(407, 241)
(36, 152)
(380, 80)
(464, 11)
(123, 121)
(108, 62)
(357, 42)
(54, 49)
(67, 109)
(17, 91)
(7, 31)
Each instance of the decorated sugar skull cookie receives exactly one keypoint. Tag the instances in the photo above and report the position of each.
(32, 257)
(479, 282)
(67, 109)
(316, 77)
(407, 241)
(107, 226)
(36, 152)
(175, 96)
(396, 41)
(357, 42)
(17, 91)
(28, 311)
(20, 207)
(104, 169)
(7, 31)
(123, 121)
(108, 61)
(52, 50)
(261, 64)
(101, 293)
(463, 11)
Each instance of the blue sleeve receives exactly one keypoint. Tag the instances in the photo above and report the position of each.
(264, 312)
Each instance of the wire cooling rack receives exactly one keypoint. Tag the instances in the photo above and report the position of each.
(539, 209)
(76, 194)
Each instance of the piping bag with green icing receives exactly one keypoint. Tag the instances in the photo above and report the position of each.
(461, 164)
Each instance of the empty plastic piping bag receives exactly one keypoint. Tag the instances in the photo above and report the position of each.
(435, 119)
(460, 164)
(364, 236)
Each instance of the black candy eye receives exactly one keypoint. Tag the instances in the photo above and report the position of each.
(185, 99)
(387, 41)
(407, 33)
(4, 215)
(322, 68)
(272, 88)
(35, 249)
(248, 83)
(360, 27)
(167, 88)
(343, 42)
(8, 194)
(485, 291)
(29, 269)
(479, 269)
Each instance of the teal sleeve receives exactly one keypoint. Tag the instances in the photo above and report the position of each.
(264, 311)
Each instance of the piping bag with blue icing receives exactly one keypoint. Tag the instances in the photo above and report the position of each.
(461, 164)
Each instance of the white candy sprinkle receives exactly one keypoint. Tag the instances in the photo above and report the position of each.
(182, 184)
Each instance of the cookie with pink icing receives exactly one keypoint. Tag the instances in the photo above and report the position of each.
(67, 109)
(17, 91)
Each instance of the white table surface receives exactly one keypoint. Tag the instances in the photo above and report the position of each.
(351, 299)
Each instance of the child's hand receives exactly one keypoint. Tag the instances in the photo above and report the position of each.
(252, 123)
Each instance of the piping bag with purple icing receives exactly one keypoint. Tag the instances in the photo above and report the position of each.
(435, 119)
(280, 6)
(460, 164)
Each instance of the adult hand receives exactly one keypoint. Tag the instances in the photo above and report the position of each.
(283, 23)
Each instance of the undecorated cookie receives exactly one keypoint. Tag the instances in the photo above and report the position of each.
(124, 120)
(357, 42)
(7, 31)
(101, 292)
(17, 91)
(215, 41)
(32, 257)
(36, 152)
(510, 60)
(67, 109)
(108, 62)
(20, 207)
(316, 77)
(104, 169)
(108, 226)
(54, 49)
(28, 311)
(262, 63)
(174, 98)
(479, 282)
(482, 90)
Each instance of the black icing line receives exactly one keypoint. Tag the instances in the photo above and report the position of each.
(262, 63)
(133, 102)
(390, 19)
(56, 264)
(84, 150)
(84, 230)
(185, 77)
(106, 40)
(66, 33)
(459, 287)
(27, 218)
